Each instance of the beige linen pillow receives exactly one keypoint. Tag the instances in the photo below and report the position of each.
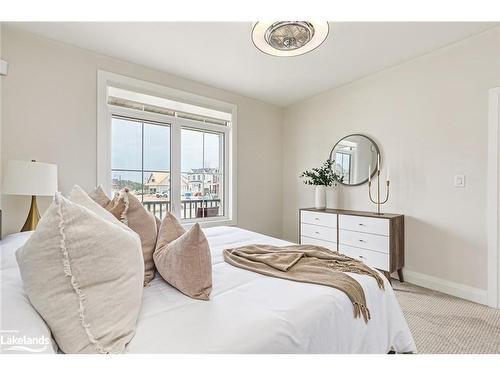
(79, 196)
(158, 225)
(99, 196)
(130, 211)
(172, 230)
(84, 275)
(185, 263)
(116, 207)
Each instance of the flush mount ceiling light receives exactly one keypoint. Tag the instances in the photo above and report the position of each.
(289, 38)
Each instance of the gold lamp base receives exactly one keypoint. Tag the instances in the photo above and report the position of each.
(33, 216)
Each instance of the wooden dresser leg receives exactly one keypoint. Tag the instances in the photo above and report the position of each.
(400, 274)
(388, 276)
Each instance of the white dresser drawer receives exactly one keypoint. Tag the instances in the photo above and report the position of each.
(364, 224)
(319, 232)
(364, 240)
(314, 241)
(319, 218)
(371, 258)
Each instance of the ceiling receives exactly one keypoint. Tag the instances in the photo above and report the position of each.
(221, 54)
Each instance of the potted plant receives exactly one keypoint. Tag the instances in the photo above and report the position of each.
(321, 178)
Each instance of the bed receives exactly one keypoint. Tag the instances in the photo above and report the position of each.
(247, 312)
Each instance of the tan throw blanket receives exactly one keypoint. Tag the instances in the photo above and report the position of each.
(307, 264)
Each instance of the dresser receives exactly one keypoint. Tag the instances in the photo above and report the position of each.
(377, 240)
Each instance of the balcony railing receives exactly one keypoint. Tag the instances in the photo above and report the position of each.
(190, 208)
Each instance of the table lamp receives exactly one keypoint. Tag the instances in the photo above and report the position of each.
(30, 178)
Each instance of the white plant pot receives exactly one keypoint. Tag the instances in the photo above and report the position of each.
(320, 197)
(332, 197)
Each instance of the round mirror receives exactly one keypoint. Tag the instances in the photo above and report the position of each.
(353, 156)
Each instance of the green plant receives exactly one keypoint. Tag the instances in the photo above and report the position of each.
(322, 176)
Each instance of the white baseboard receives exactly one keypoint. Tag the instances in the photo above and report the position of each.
(449, 287)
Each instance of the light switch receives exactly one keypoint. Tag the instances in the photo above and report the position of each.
(459, 180)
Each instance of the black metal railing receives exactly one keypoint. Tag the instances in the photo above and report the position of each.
(190, 208)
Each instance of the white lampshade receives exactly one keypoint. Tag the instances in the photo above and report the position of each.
(30, 178)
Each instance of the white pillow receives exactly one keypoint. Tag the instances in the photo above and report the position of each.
(9, 245)
(84, 275)
(21, 327)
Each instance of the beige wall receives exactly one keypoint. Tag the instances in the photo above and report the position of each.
(49, 114)
(430, 119)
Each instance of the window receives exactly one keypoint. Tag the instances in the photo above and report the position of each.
(173, 156)
(343, 163)
(140, 161)
(202, 173)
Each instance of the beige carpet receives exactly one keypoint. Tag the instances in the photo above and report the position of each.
(444, 324)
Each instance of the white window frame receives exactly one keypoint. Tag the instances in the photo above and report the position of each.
(104, 116)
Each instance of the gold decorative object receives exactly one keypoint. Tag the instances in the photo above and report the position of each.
(378, 202)
(33, 216)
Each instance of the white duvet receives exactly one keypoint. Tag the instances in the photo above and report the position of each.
(247, 312)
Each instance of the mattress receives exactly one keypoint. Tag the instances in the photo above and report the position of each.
(248, 312)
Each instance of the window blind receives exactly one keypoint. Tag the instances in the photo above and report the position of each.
(147, 103)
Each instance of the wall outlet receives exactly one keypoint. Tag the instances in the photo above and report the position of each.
(459, 180)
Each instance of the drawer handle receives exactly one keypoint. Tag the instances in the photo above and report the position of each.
(316, 218)
(361, 240)
(361, 225)
(317, 232)
(362, 257)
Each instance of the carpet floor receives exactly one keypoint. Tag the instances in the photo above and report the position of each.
(449, 325)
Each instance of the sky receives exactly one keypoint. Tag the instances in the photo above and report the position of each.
(198, 149)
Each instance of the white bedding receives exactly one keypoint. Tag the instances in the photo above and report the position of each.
(252, 313)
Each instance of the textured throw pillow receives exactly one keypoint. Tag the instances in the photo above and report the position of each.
(127, 208)
(170, 229)
(185, 263)
(116, 207)
(84, 275)
(99, 196)
(79, 196)
(158, 225)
